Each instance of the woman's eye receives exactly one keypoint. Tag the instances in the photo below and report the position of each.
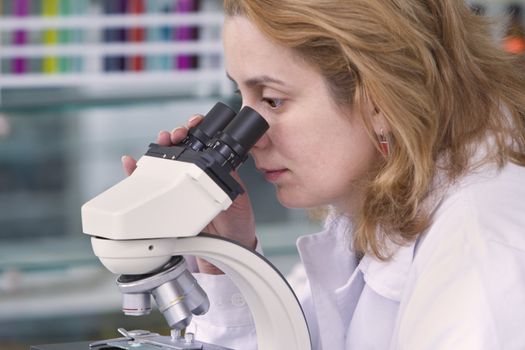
(273, 102)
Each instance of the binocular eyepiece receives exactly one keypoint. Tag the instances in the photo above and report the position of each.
(227, 136)
(218, 145)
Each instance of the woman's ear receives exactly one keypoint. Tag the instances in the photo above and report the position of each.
(381, 129)
(378, 119)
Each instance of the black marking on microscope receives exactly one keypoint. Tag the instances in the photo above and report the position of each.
(176, 259)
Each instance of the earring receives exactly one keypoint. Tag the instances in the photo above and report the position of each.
(384, 144)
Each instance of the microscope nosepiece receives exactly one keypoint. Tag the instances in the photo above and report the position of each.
(175, 290)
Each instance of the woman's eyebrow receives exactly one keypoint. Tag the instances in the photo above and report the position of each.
(262, 80)
(259, 80)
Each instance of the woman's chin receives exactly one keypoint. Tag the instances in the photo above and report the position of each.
(294, 200)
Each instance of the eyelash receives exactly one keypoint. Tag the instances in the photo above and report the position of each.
(268, 100)
(271, 102)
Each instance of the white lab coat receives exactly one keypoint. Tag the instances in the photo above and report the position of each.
(461, 286)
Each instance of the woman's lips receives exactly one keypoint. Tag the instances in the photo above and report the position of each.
(273, 175)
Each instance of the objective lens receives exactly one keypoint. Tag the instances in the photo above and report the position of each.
(234, 142)
(179, 298)
(136, 304)
(196, 298)
(214, 121)
(171, 302)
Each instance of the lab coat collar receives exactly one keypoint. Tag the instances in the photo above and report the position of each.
(329, 265)
(337, 280)
(388, 278)
(328, 259)
(326, 255)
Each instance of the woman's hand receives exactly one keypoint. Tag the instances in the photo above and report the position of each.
(237, 223)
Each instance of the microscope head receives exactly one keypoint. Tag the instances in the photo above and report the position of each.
(173, 193)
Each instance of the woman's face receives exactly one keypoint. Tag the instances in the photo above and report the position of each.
(315, 152)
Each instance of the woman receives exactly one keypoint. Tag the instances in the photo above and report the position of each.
(407, 122)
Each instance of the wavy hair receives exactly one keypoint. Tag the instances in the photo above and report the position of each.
(433, 70)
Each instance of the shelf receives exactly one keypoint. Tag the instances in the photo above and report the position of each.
(163, 49)
(114, 78)
(107, 21)
(97, 49)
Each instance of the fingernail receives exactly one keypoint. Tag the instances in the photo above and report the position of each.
(177, 128)
(195, 117)
(123, 158)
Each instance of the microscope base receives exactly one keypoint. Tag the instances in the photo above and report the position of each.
(144, 340)
(63, 346)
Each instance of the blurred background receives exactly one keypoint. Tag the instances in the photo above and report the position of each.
(83, 82)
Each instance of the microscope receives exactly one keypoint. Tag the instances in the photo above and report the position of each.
(143, 227)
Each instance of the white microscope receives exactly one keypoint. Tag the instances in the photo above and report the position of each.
(143, 226)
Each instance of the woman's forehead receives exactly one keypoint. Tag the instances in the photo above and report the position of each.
(251, 56)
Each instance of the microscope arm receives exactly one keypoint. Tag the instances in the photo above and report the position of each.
(278, 317)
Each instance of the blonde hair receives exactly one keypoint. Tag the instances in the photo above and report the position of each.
(431, 68)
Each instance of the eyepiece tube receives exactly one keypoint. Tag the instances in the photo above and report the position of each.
(246, 128)
(214, 121)
(234, 142)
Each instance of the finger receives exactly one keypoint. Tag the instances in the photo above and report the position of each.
(129, 164)
(178, 134)
(195, 120)
(237, 177)
(163, 139)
